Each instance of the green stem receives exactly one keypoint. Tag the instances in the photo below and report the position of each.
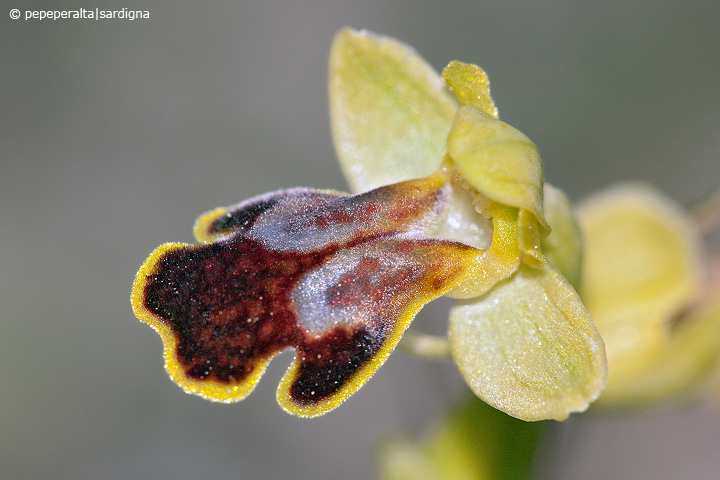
(472, 442)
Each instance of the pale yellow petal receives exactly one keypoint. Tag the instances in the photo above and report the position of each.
(389, 110)
(497, 160)
(470, 85)
(528, 347)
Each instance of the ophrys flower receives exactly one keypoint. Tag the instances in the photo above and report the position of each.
(454, 205)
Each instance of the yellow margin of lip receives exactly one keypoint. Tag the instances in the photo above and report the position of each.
(208, 389)
(200, 229)
(361, 376)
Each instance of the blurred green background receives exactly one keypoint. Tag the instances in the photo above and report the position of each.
(116, 134)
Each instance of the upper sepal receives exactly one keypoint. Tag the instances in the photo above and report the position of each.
(389, 110)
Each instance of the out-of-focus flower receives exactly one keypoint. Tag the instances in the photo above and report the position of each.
(653, 293)
(454, 204)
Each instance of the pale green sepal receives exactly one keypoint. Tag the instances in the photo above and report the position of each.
(498, 160)
(563, 247)
(528, 347)
(389, 110)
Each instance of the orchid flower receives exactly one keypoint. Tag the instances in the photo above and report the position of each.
(450, 201)
(653, 290)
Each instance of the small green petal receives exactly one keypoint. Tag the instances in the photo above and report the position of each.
(528, 347)
(497, 160)
(563, 247)
(530, 239)
(470, 85)
(389, 110)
